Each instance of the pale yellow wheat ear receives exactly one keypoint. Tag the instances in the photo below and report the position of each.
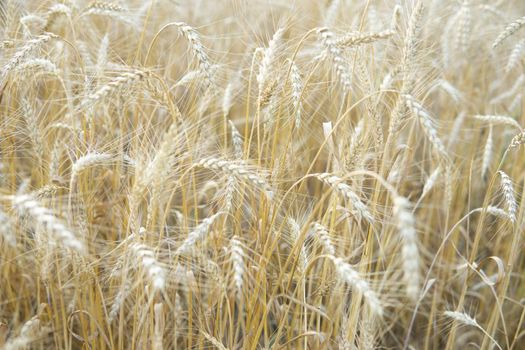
(237, 255)
(335, 53)
(270, 55)
(150, 264)
(517, 140)
(31, 331)
(405, 222)
(196, 46)
(239, 170)
(465, 319)
(510, 29)
(346, 191)
(198, 233)
(349, 275)
(24, 53)
(43, 218)
(113, 87)
(508, 193)
(427, 124)
(487, 153)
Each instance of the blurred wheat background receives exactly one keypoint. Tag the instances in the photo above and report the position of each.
(262, 174)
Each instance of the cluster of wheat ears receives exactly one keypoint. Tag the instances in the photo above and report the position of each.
(273, 174)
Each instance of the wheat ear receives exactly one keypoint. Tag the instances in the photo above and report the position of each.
(499, 119)
(43, 216)
(150, 264)
(196, 46)
(410, 253)
(508, 192)
(510, 29)
(239, 170)
(347, 273)
(335, 53)
(345, 190)
(197, 234)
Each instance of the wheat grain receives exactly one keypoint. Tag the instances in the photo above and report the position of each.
(515, 56)
(115, 86)
(356, 39)
(238, 144)
(431, 181)
(269, 57)
(297, 87)
(462, 318)
(324, 237)
(517, 140)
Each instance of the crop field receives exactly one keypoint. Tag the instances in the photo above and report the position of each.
(262, 174)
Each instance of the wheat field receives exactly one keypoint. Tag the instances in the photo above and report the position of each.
(262, 174)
